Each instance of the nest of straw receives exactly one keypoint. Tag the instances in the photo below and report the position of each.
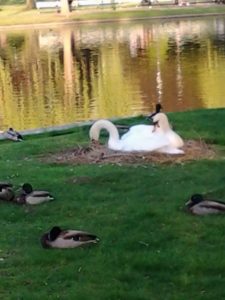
(96, 153)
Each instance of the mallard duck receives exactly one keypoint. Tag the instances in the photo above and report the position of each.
(198, 205)
(58, 238)
(28, 196)
(4, 184)
(13, 135)
(6, 193)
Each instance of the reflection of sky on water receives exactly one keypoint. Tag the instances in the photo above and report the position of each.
(59, 76)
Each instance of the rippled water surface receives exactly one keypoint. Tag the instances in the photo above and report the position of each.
(52, 77)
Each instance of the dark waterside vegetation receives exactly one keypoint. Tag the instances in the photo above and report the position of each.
(150, 248)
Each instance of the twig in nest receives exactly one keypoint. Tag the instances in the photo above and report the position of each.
(82, 150)
(114, 155)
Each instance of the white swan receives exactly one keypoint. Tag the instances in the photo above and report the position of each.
(158, 137)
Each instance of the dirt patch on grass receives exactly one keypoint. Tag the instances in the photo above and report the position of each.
(100, 154)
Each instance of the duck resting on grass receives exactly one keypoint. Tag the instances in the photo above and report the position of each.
(198, 205)
(6, 192)
(4, 184)
(157, 137)
(29, 196)
(12, 135)
(58, 238)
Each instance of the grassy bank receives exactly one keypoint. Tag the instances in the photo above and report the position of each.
(15, 15)
(150, 247)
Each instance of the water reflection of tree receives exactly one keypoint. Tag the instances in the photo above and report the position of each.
(91, 74)
(68, 62)
(172, 58)
(183, 52)
(218, 41)
(52, 77)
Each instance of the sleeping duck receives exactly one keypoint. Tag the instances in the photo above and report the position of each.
(58, 238)
(28, 196)
(6, 193)
(198, 205)
(13, 135)
(4, 184)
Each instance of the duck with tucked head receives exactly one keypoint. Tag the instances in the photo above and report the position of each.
(198, 205)
(157, 137)
(6, 191)
(4, 184)
(29, 196)
(12, 135)
(58, 238)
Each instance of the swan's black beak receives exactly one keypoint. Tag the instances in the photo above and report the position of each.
(158, 108)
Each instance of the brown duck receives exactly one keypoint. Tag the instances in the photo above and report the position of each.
(12, 135)
(27, 195)
(198, 205)
(58, 238)
(6, 191)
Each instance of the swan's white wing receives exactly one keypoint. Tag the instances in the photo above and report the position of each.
(144, 131)
(137, 142)
(143, 138)
(170, 150)
(175, 140)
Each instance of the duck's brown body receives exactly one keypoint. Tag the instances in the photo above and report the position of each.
(57, 238)
(28, 196)
(12, 135)
(7, 194)
(4, 184)
(198, 205)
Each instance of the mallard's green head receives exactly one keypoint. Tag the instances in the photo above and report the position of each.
(27, 188)
(50, 236)
(54, 233)
(195, 199)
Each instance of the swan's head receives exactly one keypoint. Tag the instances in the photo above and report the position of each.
(158, 108)
(160, 120)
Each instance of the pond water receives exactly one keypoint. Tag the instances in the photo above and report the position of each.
(51, 77)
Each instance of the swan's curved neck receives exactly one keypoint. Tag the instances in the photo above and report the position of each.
(164, 125)
(107, 125)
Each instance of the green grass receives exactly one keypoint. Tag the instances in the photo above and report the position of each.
(150, 247)
(17, 14)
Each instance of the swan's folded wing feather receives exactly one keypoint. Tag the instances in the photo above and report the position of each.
(143, 131)
(149, 143)
(170, 150)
